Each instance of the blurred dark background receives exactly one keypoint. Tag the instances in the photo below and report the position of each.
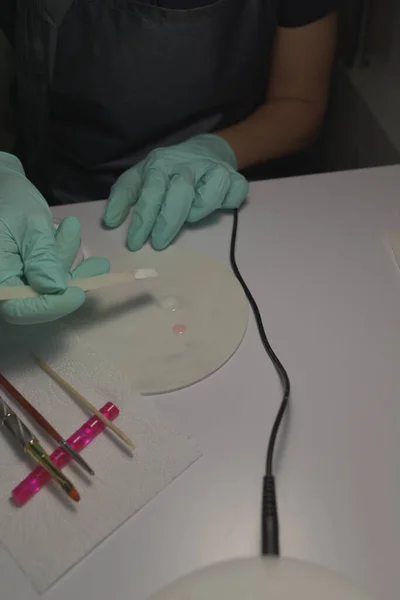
(363, 122)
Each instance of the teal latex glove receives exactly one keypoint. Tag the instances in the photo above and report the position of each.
(33, 252)
(173, 185)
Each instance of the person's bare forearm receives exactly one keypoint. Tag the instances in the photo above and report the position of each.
(276, 129)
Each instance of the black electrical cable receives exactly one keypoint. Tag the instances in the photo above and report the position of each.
(270, 520)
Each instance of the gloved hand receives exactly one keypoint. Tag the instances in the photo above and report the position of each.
(172, 185)
(32, 252)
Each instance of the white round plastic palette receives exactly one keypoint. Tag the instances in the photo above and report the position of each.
(171, 331)
(261, 579)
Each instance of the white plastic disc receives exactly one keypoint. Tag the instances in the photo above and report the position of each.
(261, 579)
(172, 331)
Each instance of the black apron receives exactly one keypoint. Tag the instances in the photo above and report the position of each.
(130, 76)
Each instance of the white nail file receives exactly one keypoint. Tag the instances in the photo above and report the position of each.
(87, 285)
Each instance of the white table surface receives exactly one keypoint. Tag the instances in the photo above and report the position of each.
(312, 251)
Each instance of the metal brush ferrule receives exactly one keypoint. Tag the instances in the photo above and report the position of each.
(5, 410)
(35, 450)
(76, 457)
(9, 419)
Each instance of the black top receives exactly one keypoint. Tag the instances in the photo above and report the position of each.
(130, 76)
(296, 13)
(290, 13)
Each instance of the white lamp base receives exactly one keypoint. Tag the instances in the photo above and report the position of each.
(261, 579)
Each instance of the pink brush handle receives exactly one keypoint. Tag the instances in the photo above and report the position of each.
(60, 457)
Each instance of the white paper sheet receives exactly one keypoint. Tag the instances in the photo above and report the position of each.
(32, 534)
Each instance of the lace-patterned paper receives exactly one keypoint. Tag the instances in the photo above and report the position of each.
(122, 484)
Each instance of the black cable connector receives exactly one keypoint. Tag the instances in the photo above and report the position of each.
(270, 521)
